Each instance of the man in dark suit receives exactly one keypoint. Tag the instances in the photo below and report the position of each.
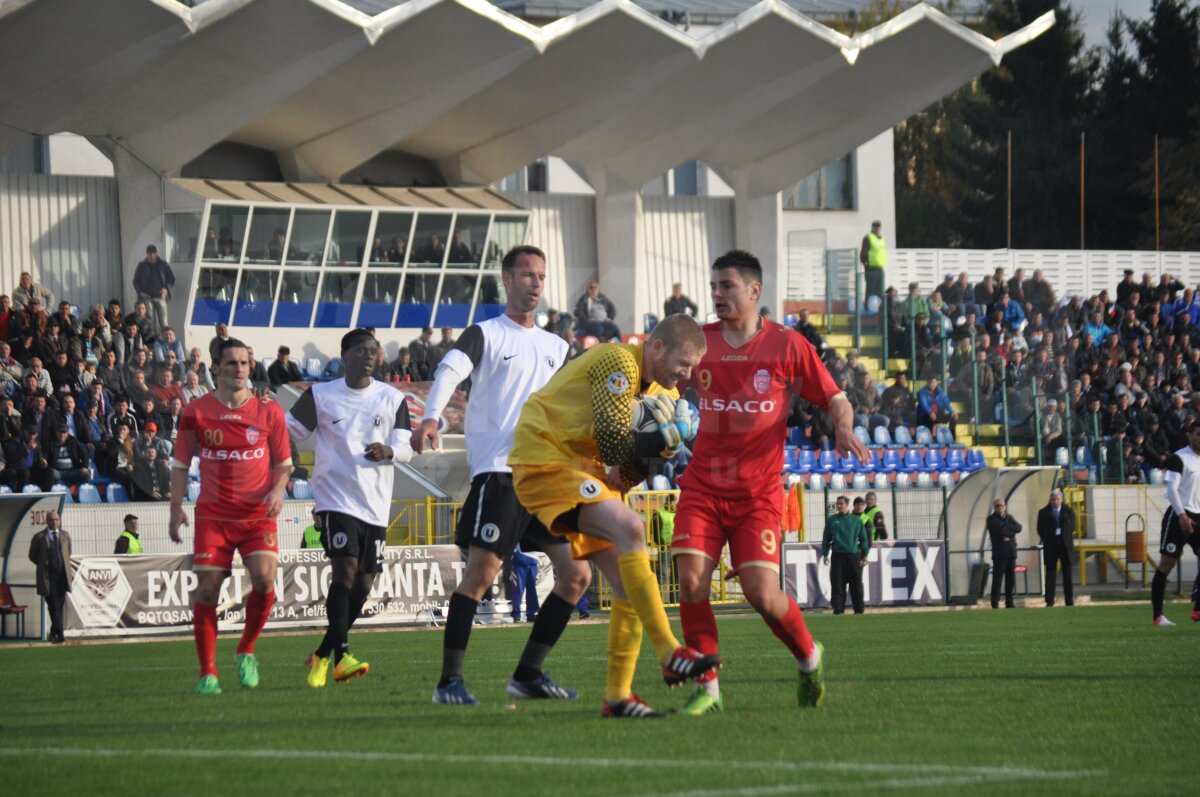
(50, 551)
(1056, 529)
(1003, 531)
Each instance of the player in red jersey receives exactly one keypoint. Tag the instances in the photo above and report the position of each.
(732, 490)
(245, 462)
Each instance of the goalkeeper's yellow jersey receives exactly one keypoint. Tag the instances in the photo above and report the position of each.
(583, 417)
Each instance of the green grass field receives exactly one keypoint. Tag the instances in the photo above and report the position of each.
(1089, 700)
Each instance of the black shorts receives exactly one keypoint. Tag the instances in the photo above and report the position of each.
(348, 536)
(1172, 540)
(494, 519)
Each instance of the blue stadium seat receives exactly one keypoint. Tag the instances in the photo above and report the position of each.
(825, 462)
(1061, 457)
(943, 436)
(193, 491)
(795, 436)
(975, 460)
(837, 481)
(859, 482)
(954, 459)
(912, 461)
(934, 461)
(924, 479)
(88, 494)
(312, 369)
(31, 488)
(806, 460)
(846, 464)
(791, 319)
(892, 461)
(863, 466)
(816, 482)
(881, 481)
(5, 489)
(60, 488)
(882, 436)
(301, 489)
(863, 437)
(902, 437)
(924, 437)
(116, 494)
(945, 479)
(903, 481)
(649, 322)
(194, 469)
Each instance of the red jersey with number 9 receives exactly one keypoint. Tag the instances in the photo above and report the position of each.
(745, 399)
(238, 449)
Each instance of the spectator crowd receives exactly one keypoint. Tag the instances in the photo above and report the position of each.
(1113, 372)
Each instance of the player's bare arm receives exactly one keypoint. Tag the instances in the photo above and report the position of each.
(274, 500)
(178, 517)
(427, 430)
(842, 415)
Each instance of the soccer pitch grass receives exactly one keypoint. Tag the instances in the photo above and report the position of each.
(1088, 700)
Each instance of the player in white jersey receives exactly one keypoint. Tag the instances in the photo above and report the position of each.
(507, 359)
(363, 431)
(1180, 523)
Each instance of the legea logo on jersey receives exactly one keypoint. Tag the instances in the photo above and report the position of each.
(251, 435)
(762, 380)
(224, 455)
(733, 405)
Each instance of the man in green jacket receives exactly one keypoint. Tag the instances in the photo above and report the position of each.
(129, 542)
(847, 536)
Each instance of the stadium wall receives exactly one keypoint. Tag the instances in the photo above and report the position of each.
(64, 231)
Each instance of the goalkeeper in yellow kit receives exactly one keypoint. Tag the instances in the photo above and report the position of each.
(575, 451)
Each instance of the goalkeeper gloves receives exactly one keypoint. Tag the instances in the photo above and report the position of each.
(678, 421)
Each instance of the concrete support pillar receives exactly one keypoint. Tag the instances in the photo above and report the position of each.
(620, 246)
(140, 202)
(758, 220)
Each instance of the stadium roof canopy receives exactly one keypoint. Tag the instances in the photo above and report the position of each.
(769, 96)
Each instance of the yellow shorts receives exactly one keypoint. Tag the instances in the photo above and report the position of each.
(549, 492)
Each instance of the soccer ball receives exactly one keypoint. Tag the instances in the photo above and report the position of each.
(643, 414)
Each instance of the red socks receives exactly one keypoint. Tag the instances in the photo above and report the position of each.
(699, 630)
(258, 609)
(204, 621)
(793, 632)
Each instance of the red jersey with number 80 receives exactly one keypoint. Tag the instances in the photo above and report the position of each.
(238, 449)
(745, 399)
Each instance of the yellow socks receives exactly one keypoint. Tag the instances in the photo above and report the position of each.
(641, 589)
(624, 642)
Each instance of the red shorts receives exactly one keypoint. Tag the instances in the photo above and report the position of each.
(216, 540)
(705, 522)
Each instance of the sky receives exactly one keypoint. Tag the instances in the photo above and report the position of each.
(1096, 14)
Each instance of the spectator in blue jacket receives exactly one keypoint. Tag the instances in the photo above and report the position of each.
(1014, 316)
(933, 406)
(1097, 328)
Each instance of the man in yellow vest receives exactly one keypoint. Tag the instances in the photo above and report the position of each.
(874, 259)
(873, 518)
(129, 542)
(312, 534)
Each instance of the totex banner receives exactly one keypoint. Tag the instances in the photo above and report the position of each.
(122, 595)
(898, 573)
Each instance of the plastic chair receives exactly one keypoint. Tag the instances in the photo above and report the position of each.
(194, 470)
(88, 494)
(193, 491)
(1061, 457)
(816, 482)
(924, 437)
(5, 489)
(847, 464)
(954, 459)
(795, 436)
(837, 481)
(873, 304)
(934, 461)
(313, 369)
(859, 482)
(649, 322)
(826, 463)
(902, 436)
(116, 494)
(912, 461)
(892, 461)
(791, 319)
(881, 481)
(924, 479)
(806, 460)
(945, 479)
(861, 433)
(301, 489)
(882, 436)
(267, 362)
(31, 488)
(1156, 476)
(903, 481)
(943, 436)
